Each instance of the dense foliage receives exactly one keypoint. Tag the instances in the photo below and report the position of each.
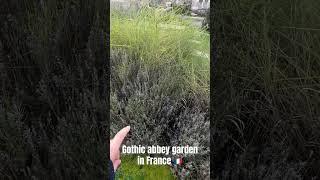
(267, 89)
(160, 83)
(53, 93)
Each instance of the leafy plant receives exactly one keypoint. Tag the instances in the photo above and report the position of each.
(160, 83)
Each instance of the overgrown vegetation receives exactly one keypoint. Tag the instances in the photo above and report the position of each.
(53, 93)
(160, 83)
(267, 89)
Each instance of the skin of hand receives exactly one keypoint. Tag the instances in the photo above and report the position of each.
(115, 144)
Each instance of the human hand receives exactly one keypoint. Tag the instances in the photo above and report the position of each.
(115, 144)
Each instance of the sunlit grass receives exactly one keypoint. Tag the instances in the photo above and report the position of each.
(163, 39)
(131, 170)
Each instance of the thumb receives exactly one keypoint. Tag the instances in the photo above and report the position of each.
(116, 164)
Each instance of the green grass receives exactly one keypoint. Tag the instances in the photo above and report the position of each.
(164, 41)
(130, 170)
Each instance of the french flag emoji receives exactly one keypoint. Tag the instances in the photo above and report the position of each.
(177, 161)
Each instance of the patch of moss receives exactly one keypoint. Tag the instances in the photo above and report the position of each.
(130, 170)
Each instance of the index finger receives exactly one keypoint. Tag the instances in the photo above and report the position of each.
(119, 137)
